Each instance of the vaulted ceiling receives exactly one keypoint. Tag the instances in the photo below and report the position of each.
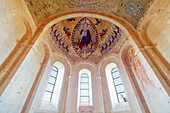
(130, 10)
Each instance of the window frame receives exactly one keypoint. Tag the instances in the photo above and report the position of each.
(113, 71)
(87, 83)
(53, 84)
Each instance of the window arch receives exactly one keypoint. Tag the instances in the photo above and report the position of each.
(51, 84)
(120, 92)
(115, 86)
(84, 90)
(84, 97)
(53, 88)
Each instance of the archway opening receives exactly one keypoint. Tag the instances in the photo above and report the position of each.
(115, 87)
(53, 87)
(84, 97)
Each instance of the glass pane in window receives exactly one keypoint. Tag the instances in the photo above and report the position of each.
(84, 76)
(84, 86)
(47, 96)
(122, 98)
(84, 79)
(114, 69)
(123, 95)
(119, 88)
(51, 80)
(84, 99)
(53, 73)
(84, 92)
(54, 68)
(117, 81)
(84, 103)
(49, 87)
(115, 74)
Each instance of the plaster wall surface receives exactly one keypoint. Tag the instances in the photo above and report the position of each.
(14, 96)
(13, 14)
(155, 95)
(9, 36)
(158, 33)
(154, 35)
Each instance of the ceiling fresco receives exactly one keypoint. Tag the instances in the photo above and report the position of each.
(130, 10)
(86, 38)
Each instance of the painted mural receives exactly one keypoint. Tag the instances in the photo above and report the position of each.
(59, 38)
(139, 70)
(42, 9)
(84, 38)
(135, 9)
(113, 37)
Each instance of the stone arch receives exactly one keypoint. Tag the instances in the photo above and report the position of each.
(91, 69)
(73, 90)
(64, 61)
(89, 76)
(106, 94)
(59, 106)
(129, 30)
(125, 26)
(64, 86)
(42, 28)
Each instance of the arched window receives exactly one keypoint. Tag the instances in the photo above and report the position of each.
(84, 90)
(120, 92)
(50, 85)
(53, 88)
(115, 87)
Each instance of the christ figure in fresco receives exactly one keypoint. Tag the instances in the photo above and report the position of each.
(85, 36)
